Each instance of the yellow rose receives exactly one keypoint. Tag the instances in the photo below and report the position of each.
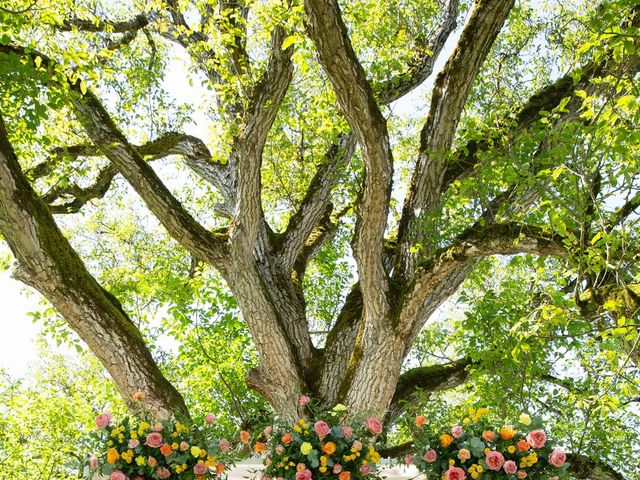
(195, 451)
(141, 461)
(525, 419)
(306, 448)
(511, 449)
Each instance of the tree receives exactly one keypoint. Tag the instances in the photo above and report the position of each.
(499, 166)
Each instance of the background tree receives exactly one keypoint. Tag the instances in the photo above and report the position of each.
(339, 222)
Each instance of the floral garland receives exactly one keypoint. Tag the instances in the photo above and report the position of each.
(480, 450)
(164, 450)
(324, 446)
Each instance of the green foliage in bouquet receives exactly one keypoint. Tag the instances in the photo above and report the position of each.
(163, 450)
(482, 449)
(324, 446)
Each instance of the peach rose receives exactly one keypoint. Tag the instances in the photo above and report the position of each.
(138, 396)
(337, 468)
(322, 429)
(200, 468)
(464, 454)
(184, 446)
(537, 438)
(304, 475)
(457, 431)
(455, 473)
(373, 425)
(494, 460)
(166, 450)
(133, 443)
(244, 436)
(152, 462)
(557, 457)
(488, 435)
(163, 472)
(357, 445)
(279, 449)
(365, 469)
(420, 420)
(117, 475)
(287, 438)
(510, 467)
(522, 474)
(224, 445)
(154, 440)
(103, 420)
(430, 456)
(523, 445)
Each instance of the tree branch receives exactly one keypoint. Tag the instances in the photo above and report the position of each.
(450, 92)
(267, 96)
(50, 265)
(105, 134)
(422, 65)
(101, 25)
(326, 28)
(314, 205)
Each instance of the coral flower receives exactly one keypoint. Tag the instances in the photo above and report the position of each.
(344, 476)
(166, 450)
(445, 439)
(430, 456)
(373, 426)
(523, 445)
(260, 447)
(244, 436)
(420, 420)
(537, 438)
(494, 460)
(322, 429)
(138, 396)
(103, 420)
(287, 438)
(488, 435)
(455, 473)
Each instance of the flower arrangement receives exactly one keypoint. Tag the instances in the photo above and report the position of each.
(478, 449)
(324, 446)
(164, 450)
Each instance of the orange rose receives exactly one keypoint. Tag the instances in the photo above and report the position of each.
(344, 476)
(287, 438)
(220, 468)
(523, 445)
(329, 448)
(260, 447)
(152, 462)
(488, 435)
(112, 456)
(166, 449)
(244, 436)
(420, 420)
(445, 439)
(507, 433)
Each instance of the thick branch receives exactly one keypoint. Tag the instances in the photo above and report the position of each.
(450, 92)
(328, 32)
(267, 96)
(422, 66)
(101, 25)
(49, 264)
(314, 205)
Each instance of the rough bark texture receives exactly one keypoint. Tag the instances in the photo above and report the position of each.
(399, 286)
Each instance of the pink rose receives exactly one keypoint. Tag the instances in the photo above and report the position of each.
(154, 440)
(430, 456)
(224, 445)
(133, 443)
(93, 462)
(347, 432)
(117, 475)
(103, 420)
(373, 425)
(200, 468)
(279, 449)
(494, 460)
(457, 431)
(210, 418)
(557, 457)
(464, 454)
(455, 473)
(184, 446)
(408, 459)
(304, 475)
(365, 469)
(267, 431)
(357, 445)
(266, 477)
(322, 429)
(510, 467)
(537, 438)
(337, 468)
(522, 474)
(303, 400)
(163, 472)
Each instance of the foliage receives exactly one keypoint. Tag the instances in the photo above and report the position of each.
(508, 451)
